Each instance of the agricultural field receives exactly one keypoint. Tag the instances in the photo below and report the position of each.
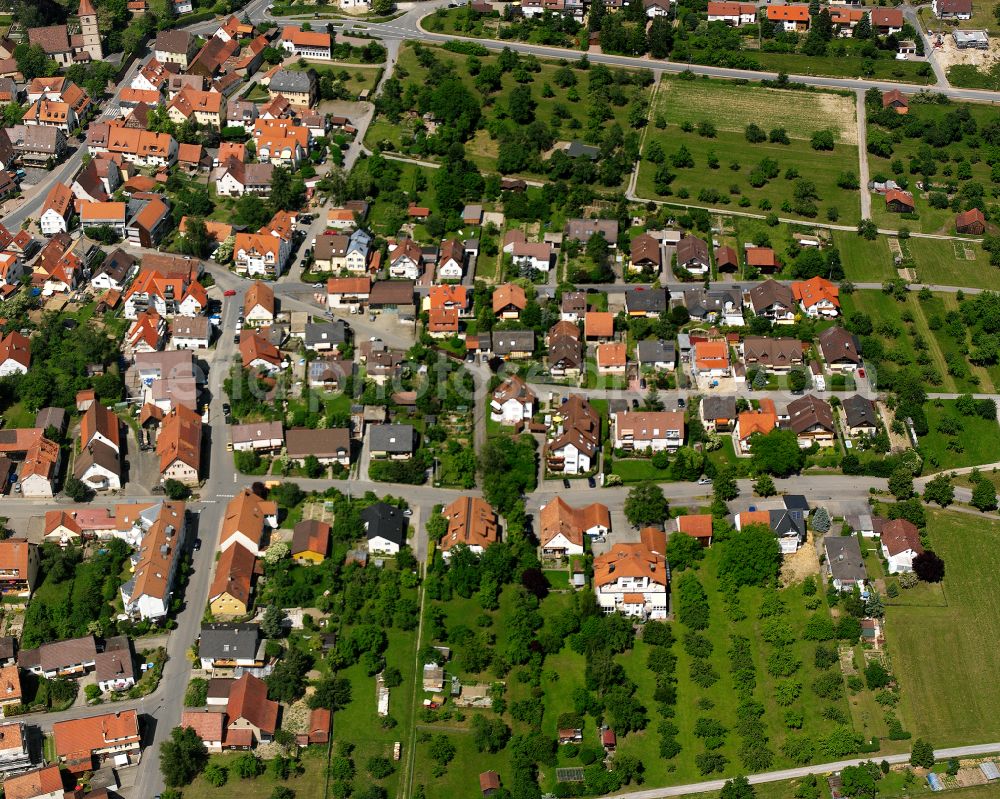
(930, 150)
(708, 119)
(946, 664)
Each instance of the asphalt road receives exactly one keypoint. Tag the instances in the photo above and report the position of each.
(795, 773)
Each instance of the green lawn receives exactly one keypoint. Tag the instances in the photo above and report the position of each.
(17, 415)
(638, 470)
(947, 263)
(882, 308)
(359, 722)
(309, 785)
(977, 438)
(946, 660)
(865, 261)
(355, 77)
(846, 66)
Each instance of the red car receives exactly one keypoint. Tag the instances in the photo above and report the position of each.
(229, 293)
(861, 373)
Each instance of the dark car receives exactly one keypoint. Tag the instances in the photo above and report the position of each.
(591, 482)
(635, 404)
(226, 408)
(197, 544)
(565, 483)
(680, 402)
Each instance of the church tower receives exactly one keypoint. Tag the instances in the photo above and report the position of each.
(89, 34)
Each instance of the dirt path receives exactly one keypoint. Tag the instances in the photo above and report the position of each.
(937, 357)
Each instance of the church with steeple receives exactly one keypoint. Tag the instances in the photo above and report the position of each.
(90, 36)
(65, 49)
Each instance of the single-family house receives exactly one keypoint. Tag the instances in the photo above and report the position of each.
(774, 301)
(845, 565)
(513, 402)
(472, 522)
(900, 542)
(562, 527)
(812, 420)
(385, 528)
(860, 415)
(718, 413)
(692, 255)
(818, 297)
(310, 541)
(653, 431)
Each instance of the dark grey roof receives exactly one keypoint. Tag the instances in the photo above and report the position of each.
(860, 411)
(656, 351)
(393, 438)
(287, 80)
(843, 555)
(718, 407)
(577, 149)
(384, 521)
(326, 333)
(117, 265)
(796, 502)
(99, 453)
(8, 646)
(788, 523)
(701, 302)
(507, 341)
(839, 345)
(229, 641)
(582, 229)
(650, 300)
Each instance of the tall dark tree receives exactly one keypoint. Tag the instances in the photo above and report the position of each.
(928, 566)
(182, 757)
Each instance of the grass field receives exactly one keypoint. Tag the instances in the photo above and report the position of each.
(864, 261)
(355, 77)
(730, 108)
(637, 470)
(846, 66)
(947, 263)
(359, 723)
(978, 438)
(946, 661)
(309, 785)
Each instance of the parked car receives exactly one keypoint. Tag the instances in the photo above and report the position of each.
(565, 483)
(591, 482)
(229, 293)
(197, 544)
